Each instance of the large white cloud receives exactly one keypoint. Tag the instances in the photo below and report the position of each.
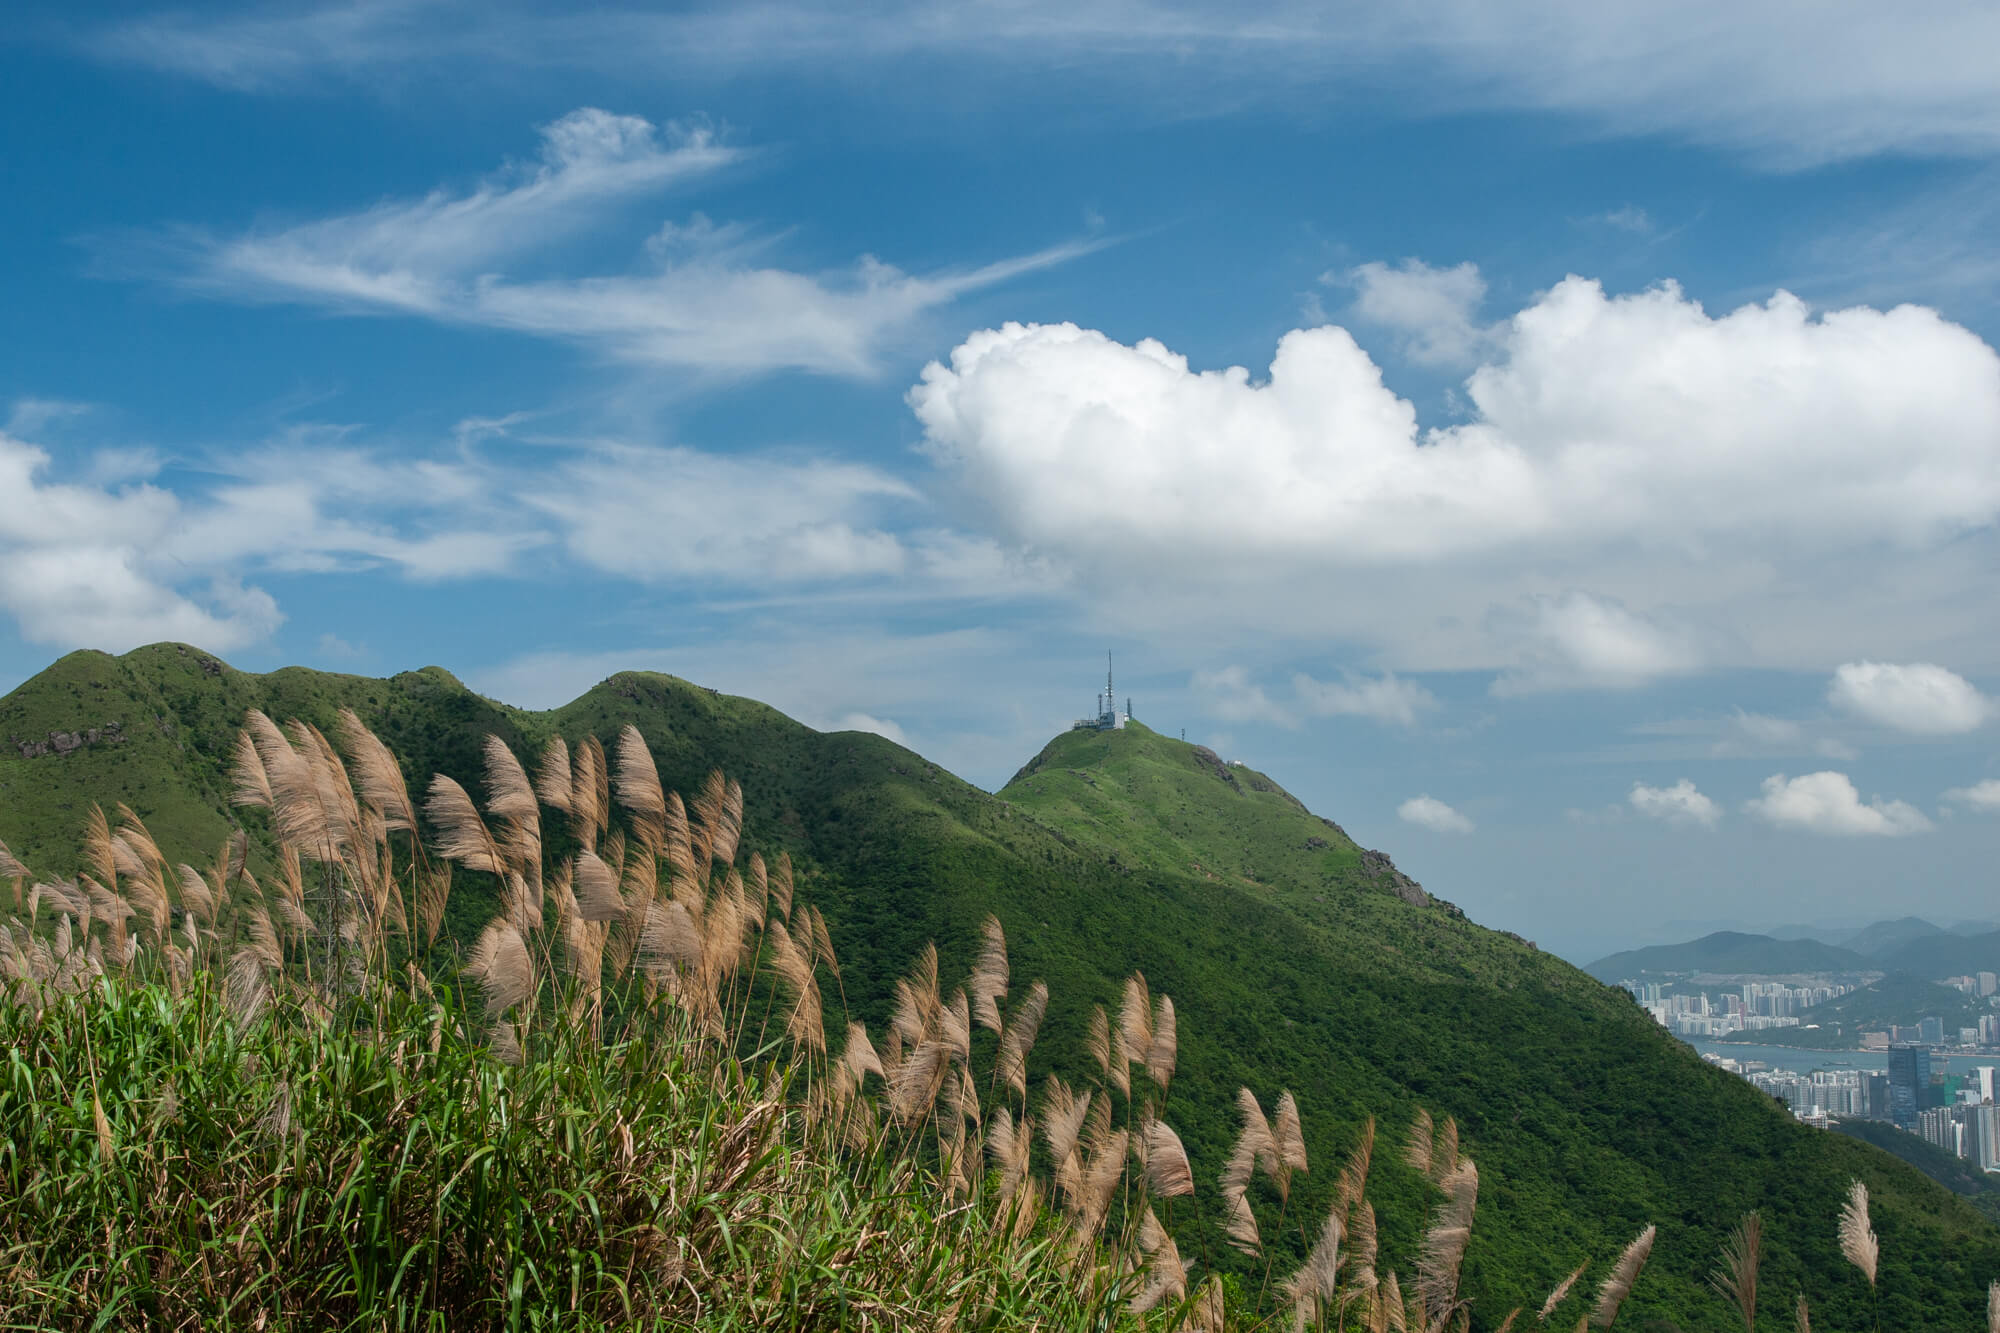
(1637, 484)
(1682, 803)
(1915, 697)
(1827, 802)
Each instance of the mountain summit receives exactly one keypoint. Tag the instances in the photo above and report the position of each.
(1297, 959)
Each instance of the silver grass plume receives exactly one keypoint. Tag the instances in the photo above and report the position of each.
(1135, 1021)
(1561, 1292)
(1166, 1275)
(1168, 1174)
(1857, 1238)
(1444, 1244)
(1418, 1152)
(1736, 1280)
(1160, 1056)
(380, 776)
(638, 788)
(1019, 1039)
(1618, 1285)
(988, 986)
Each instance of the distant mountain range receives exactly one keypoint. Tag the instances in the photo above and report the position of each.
(1729, 953)
(1905, 946)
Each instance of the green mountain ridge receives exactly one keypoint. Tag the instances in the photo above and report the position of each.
(1296, 958)
(1730, 953)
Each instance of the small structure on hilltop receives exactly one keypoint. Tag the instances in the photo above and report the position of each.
(1105, 716)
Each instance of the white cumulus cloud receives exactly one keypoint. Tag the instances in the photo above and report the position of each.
(1681, 803)
(1983, 796)
(1827, 802)
(1918, 697)
(1428, 812)
(1431, 309)
(1636, 479)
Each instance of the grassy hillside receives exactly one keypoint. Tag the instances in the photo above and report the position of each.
(1298, 961)
(1730, 953)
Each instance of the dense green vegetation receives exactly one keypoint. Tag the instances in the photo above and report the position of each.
(1730, 953)
(1298, 961)
(1947, 1169)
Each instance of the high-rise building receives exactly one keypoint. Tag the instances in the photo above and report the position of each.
(1931, 1030)
(1988, 983)
(1875, 1097)
(1909, 1084)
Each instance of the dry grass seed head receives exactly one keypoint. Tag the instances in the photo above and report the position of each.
(1857, 1238)
(380, 776)
(555, 777)
(1160, 1056)
(1101, 1176)
(1561, 1292)
(1444, 1244)
(638, 788)
(502, 966)
(1353, 1183)
(859, 1055)
(914, 1088)
(1802, 1317)
(1135, 1020)
(597, 892)
(1018, 1040)
(1736, 1279)
(462, 835)
(1240, 1224)
(988, 986)
(1166, 1275)
(1289, 1136)
(1418, 1152)
(1361, 1246)
(1618, 1284)
(1168, 1173)
(1444, 1151)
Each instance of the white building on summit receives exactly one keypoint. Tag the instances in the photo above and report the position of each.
(1107, 717)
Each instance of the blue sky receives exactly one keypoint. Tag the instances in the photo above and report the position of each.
(1601, 520)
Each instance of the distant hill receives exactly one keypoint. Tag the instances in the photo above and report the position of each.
(1296, 959)
(1895, 999)
(1946, 955)
(1885, 937)
(1729, 953)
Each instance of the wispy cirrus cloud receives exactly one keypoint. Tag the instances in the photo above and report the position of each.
(1751, 80)
(700, 297)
